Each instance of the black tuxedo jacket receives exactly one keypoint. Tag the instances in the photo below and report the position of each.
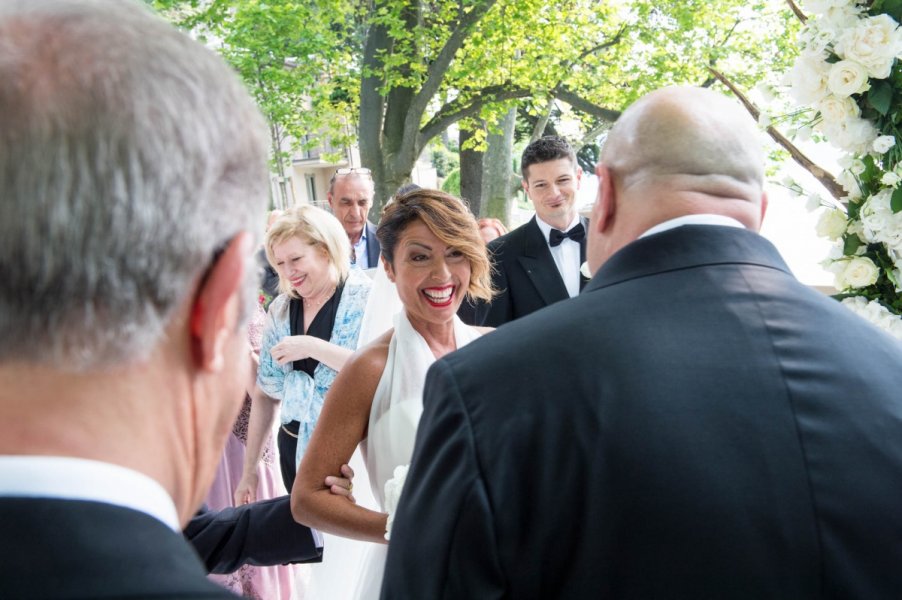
(57, 549)
(695, 424)
(525, 276)
(261, 533)
(372, 246)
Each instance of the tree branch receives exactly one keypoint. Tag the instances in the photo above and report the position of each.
(826, 179)
(455, 111)
(603, 45)
(539, 129)
(439, 66)
(580, 103)
(797, 11)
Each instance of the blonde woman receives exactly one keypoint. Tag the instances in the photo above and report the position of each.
(310, 332)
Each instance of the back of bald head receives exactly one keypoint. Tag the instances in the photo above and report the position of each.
(692, 137)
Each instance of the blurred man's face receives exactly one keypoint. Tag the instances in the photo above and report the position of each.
(350, 199)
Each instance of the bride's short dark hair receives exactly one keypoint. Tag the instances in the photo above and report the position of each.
(448, 218)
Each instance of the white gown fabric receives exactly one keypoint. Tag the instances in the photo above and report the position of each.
(396, 410)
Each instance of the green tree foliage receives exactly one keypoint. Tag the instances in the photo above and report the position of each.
(398, 73)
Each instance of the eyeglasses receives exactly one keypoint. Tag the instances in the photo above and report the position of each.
(350, 171)
(358, 170)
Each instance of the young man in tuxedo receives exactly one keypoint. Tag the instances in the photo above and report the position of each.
(351, 198)
(538, 263)
(696, 424)
(132, 170)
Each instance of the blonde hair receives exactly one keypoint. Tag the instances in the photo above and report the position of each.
(317, 228)
(450, 221)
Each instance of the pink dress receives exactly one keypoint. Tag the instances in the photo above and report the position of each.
(265, 583)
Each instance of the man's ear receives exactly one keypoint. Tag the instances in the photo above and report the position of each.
(763, 208)
(218, 303)
(605, 203)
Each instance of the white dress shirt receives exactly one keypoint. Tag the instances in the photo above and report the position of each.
(566, 255)
(361, 256)
(65, 478)
(700, 219)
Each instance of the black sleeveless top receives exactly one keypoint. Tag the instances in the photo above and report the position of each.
(321, 326)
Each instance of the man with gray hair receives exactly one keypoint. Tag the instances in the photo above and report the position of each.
(132, 177)
(695, 424)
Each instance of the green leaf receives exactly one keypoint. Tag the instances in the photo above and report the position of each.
(893, 8)
(880, 96)
(896, 202)
(851, 243)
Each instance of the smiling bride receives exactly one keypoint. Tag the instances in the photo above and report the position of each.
(432, 251)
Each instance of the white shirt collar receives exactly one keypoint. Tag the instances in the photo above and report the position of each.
(67, 478)
(700, 219)
(546, 228)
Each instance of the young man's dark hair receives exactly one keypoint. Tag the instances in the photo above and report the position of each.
(544, 149)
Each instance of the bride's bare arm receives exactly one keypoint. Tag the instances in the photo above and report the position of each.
(341, 426)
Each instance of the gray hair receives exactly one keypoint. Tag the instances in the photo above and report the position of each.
(129, 156)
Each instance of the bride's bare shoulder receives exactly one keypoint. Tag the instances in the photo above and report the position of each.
(370, 360)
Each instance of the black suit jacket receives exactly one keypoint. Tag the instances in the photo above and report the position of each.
(262, 533)
(696, 424)
(372, 246)
(55, 549)
(525, 276)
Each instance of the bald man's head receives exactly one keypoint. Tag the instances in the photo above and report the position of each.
(677, 151)
(690, 132)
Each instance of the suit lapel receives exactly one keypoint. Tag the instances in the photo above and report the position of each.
(372, 246)
(540, 267)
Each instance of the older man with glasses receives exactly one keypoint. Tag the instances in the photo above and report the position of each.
(350, 198)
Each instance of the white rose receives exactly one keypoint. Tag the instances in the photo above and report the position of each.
(834, 109)
(875, 215)
(883, 143)
(808, 78)
(831, 224)
(814, 202)
(393, 489)
(890, 179)
(847, 77)
(873, 43)
(852, 135)
(860, 272)
(835, 15)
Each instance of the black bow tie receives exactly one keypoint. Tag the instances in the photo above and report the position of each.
(576, 234)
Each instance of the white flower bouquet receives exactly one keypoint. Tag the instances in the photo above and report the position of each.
(848, 74)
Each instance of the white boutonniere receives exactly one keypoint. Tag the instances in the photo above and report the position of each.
(393, 489)
(584, 270)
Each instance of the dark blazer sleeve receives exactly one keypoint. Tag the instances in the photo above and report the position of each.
(500, 310)
(442, 542)
(262, 533)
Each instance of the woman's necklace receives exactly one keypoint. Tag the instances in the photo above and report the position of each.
(314, 303)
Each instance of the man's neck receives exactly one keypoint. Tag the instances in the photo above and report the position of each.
(563, 223)
(355, 238)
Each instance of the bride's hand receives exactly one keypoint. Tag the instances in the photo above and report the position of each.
(342, 486)
(294, 347)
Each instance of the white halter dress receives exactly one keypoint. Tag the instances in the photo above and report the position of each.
(394, 416)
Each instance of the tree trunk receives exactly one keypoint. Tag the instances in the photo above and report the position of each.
(470, 174)
(498, 168)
